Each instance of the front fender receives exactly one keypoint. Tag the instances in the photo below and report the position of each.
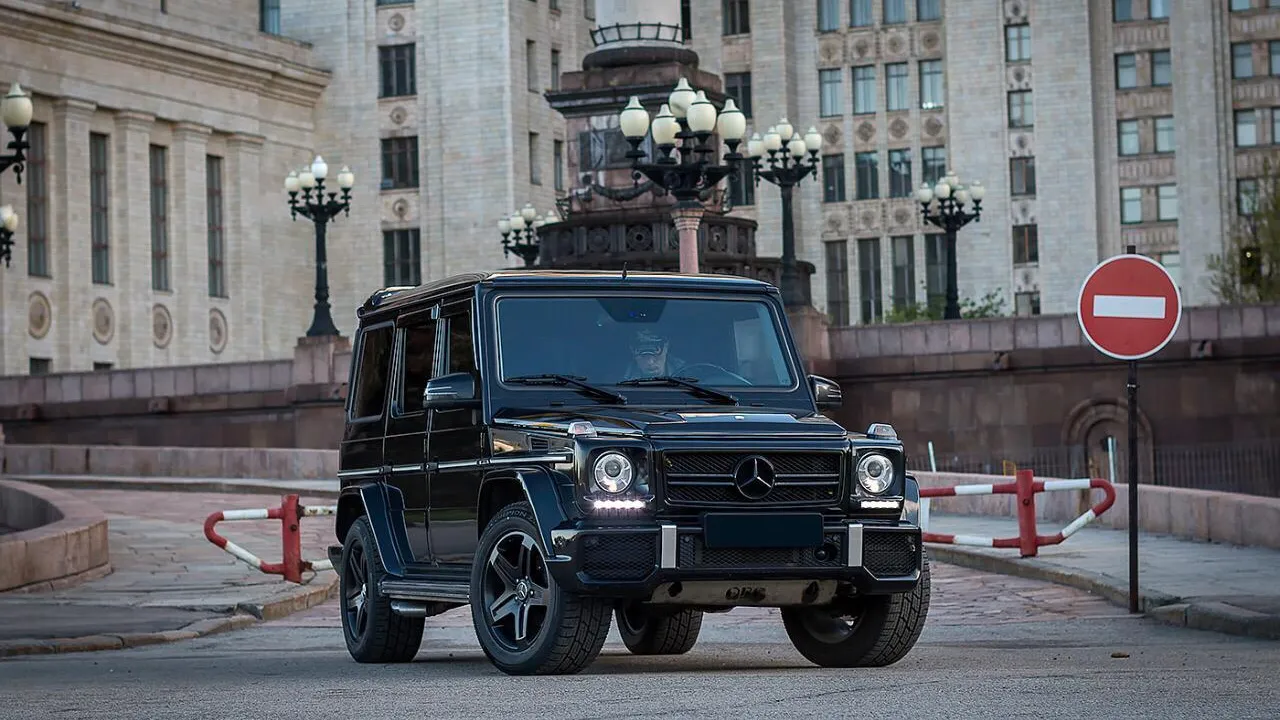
(539, 487)
(911, 500)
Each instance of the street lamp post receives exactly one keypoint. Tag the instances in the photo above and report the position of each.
(786, 169)
(686, 117)
(520, 233)
(8, 224)
(944, 206)
(15, 112)
(320, 211)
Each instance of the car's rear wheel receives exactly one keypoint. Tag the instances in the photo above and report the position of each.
(525, 622)
(649, 632)
(373, 631)
(871, 631)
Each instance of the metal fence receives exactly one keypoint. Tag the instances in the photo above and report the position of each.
(1251, 468)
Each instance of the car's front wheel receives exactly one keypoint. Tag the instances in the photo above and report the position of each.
(525, 622)
(374, 632)
(649, 632)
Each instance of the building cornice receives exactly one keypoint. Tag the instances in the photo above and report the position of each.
(96, 34)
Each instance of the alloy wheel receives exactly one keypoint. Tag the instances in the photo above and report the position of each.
(516, 590)
(355, 603)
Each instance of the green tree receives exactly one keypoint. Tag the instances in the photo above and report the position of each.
(989, 305)
(1248, 271)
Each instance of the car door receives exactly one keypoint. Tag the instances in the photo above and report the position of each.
(363, 435)
(406, 441)
(455, 444)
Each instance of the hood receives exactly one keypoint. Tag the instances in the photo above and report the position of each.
(713, 420)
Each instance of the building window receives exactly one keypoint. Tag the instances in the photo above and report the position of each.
(1161, 68)
(216, 234)
(1123, 10)
(1246, 128)
(1246, 195)
(860, 13)
(1128, 137)
(1172, 262)
(903, 256)
(1159, 9)
(935, 269)
(867, 168)
(555, 69)
(736, 17)
(159, 219)
(398, 69)
(269, 16)
(1167, 205)
(99, 211)
(895, 89)
(1238, 5)
(738, 87)
(1022, 112)
(1026, 303)
(557, 159)
(829, 92)
(1130, 205)
(895, 12)
(1126, 71)
(933, 164)
(927, 10)
(1273, 50)
(1275, 126)
(531, 65)
(833, 178)
(399, 163)
(931, 86)
(102, 366)
(828, 15)
(900, 184)
(1017, 43)
(37, 182)
(742, 186)
(837, 252)
(535, 167)
(864, 89)
(1241, 60)
(869, 285)
(1026, 244)
(1022, 176)
(39, 366)
(401, 257)
(1164, 134)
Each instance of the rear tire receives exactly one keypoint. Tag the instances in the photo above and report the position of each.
(373, 631)
(646, 632)
(884, 628)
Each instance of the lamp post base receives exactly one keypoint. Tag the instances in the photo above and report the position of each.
(322, 324)
(687, 219)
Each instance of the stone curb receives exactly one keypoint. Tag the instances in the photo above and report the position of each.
(1168, 609)
(194, 485)
(246, 615)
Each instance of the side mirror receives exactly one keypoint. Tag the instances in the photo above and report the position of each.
(826, 393)
(449, 391)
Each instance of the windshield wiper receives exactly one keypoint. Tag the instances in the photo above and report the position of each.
(685, 382)
(575, 380)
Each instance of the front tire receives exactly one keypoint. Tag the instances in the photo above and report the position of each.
(525, 622)
(646, 632)
(883, 629)
(373, 631)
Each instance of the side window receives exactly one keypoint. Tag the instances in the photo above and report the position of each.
(419, 358)
(461, 354)
(370, 391)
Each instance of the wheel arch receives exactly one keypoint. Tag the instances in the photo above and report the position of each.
(380, 504)
(535, 485)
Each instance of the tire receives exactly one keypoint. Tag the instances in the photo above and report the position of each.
(645, 632)
(562, 632)
(884, 631)
(374, 633)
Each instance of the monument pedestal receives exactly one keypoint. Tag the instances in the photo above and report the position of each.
(812, 336)
(321, 366)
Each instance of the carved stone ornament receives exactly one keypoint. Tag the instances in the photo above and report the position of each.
(161, 326)
(835, 224)
(831, 135)
(895, 44)
(930, 40)
(396, 22)
(1014, 10)
(104, 321)
(830, 51)
(639, 238)
(217, 331)
(39, 315)
(866, 131)
(717, 240)
(898, 128)
(399, 115)
(861, 48)
(902, 216)
(932, 127)
(400, 208)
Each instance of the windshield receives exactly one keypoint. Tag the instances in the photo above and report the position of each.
(607, 340)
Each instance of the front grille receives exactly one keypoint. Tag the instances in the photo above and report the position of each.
(801, 479)
(889, 554)
(619, 556)
(693, 554)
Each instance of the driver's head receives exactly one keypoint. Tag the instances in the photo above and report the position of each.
(649, 349)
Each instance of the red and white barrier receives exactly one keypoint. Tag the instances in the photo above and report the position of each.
(1024, 487)
(289, 513)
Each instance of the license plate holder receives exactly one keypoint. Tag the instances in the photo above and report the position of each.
(762, 530)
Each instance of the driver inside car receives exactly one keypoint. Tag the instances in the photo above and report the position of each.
(649, 356)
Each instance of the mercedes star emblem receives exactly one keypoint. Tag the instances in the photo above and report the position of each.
(754, 477)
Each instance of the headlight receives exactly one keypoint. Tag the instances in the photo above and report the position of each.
(875, 473)
(613, 472)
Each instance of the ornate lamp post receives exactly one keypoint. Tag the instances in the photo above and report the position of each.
(787, 167)
(944, 206)
(520, 233)
(320, 211)
(689, 118)
(8, 224)
(15, 112)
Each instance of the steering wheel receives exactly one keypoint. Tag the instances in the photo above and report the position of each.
(715, 368)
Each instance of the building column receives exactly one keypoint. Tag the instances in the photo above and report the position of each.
(70, 239)
(131, 237)
(242, 207)
(188, 243)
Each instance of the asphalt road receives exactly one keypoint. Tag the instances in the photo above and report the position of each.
(995, 647)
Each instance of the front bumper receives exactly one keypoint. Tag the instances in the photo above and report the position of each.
(632, 561)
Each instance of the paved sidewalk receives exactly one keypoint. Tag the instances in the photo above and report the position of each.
(1209, 586)
(167, 581)
(316, 488)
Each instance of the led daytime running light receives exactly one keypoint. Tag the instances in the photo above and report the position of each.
(619, 504)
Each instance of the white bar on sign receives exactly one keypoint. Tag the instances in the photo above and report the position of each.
(1129, 306)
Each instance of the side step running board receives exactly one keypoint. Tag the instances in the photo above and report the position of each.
(426, 591)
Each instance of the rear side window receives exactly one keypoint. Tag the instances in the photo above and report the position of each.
(419, 358)
(370, 392)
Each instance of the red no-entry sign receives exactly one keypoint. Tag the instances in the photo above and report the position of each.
(1129, 307)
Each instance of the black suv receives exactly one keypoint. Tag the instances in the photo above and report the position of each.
(555, 449)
